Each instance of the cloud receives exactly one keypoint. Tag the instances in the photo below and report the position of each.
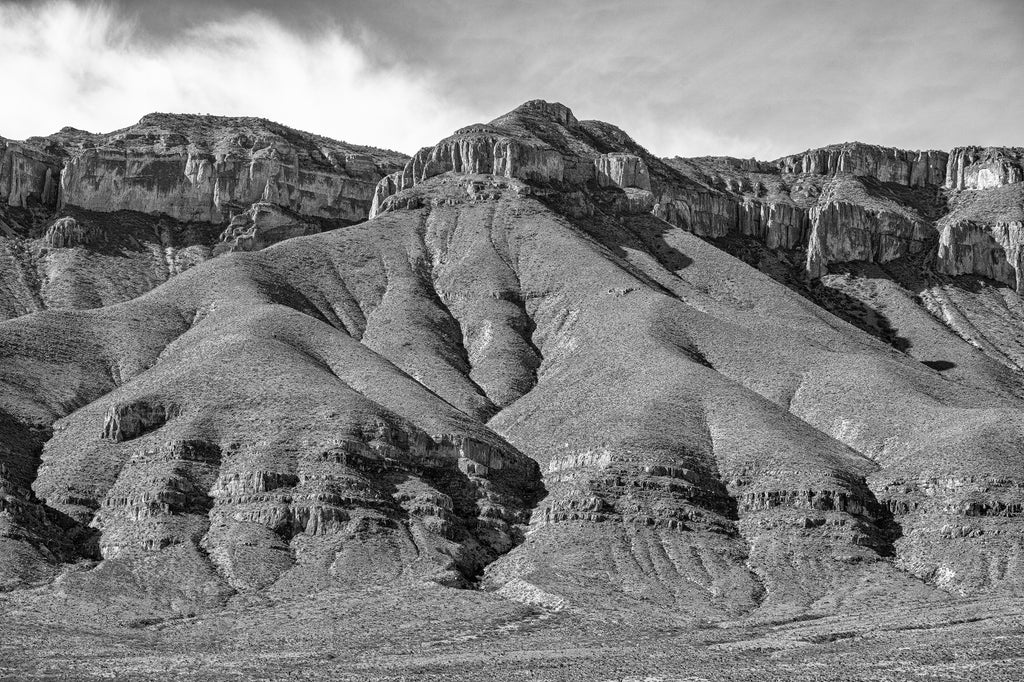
(90, 66)
(686, 77)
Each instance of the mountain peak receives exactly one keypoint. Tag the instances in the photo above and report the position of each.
(539, 108)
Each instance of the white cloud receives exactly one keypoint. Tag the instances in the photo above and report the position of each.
(88, 66)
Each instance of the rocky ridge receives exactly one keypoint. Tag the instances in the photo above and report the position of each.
(797, 202)
(170, 184)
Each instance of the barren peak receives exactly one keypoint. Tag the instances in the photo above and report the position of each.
(538, 108)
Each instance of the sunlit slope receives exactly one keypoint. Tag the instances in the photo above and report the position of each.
(525, 373)
(340, 408)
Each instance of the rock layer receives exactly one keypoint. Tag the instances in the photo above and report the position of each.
(984, 168)
(204, 168)
(914, 169)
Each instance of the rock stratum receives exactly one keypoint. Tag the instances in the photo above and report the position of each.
(160, 196)
(533, 360)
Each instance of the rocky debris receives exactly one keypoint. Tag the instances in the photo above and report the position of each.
(263, 224)
(67, 232)
(954, 530)
(124, 421)
(611, 487)
(984, 168)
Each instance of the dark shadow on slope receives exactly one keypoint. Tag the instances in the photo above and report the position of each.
(787, 268)
(939, 365)
(638, 232)
(856, 312)
(66, 539)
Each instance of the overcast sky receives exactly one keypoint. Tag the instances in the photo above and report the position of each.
(689, 77)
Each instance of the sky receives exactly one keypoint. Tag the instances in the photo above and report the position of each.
(757, 78)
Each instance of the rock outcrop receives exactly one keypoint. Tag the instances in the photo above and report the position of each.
(67, 232)
(263, 224)
(981, 234)
(984, 168)
(153, 199)
(778, 225)
(538, 142)
(842, 232)
(992, 251)
(622, 170)
(29, 174)
(195, 168)
(784, 204)
(473, 150)
(125, 421)
(914, 169)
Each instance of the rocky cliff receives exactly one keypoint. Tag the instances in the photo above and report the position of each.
(158, 195)
(195, 168)
(984, 168)
(885, 164)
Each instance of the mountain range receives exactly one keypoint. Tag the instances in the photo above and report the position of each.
(534, 372)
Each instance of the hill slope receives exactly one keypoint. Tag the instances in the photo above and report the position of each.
(550, 366)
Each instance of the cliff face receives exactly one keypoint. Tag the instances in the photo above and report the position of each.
(843, 232)
(914, 169)
(537, 142)
(28, 174)
(195, 168)
(981, 234)
(958, 210)
(845, 203)
(984, 168)
(137, 197)
(993, 251)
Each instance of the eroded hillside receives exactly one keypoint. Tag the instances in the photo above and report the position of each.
(549, 366)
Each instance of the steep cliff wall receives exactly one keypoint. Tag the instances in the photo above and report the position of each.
(29, 174)
(914, 169)
(992, 251)
(984, 168)
(195, 168)
(91, 219)
(843, 232)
